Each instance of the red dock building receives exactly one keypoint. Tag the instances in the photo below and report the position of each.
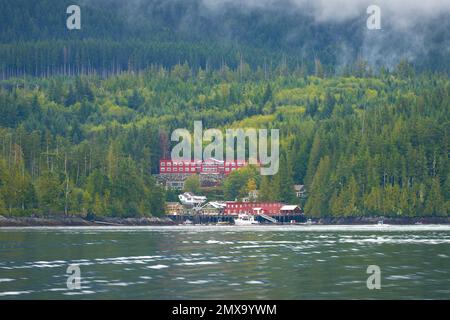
(268, 208)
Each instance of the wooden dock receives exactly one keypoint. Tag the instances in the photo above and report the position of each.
(214, 219)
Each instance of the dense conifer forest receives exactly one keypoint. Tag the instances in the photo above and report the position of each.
(361, 145)
(86, 117)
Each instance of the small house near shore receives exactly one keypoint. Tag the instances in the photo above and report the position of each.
(291, 210)
(174, 208)
(213, 208)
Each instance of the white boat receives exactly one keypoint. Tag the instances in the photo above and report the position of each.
(382, 224)
(309, 222)
(245, 220)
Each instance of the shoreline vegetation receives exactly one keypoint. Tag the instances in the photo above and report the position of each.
(87, 116)
(155, 221)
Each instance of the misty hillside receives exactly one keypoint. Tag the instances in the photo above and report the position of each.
(120, 35)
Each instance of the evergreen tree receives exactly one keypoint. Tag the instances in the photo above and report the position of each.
(317, 204)
(50, 193)
(286, 183)
(265, 190)
(434, 203)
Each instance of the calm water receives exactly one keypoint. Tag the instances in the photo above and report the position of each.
(193, 262)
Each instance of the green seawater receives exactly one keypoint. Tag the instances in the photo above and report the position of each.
(226, 262)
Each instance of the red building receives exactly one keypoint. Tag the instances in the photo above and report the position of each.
(210, 166)
(269, 208)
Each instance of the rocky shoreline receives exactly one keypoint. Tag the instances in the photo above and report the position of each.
(375, 220)
(81, 222)
(155, 221)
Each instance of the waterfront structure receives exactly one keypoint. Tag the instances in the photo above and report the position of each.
(267, 208)
(291, 210)
(174, 208)
(213, 208)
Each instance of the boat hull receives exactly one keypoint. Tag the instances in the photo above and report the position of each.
(245, 220)
(245, 223)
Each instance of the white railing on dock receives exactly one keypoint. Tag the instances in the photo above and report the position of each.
(273, 220)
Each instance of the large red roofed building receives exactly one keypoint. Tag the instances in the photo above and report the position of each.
(173, 174)
(208, 167)
(268, 208)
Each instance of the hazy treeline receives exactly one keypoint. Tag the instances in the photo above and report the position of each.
(118, 36)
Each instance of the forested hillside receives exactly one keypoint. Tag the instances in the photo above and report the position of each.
(362, 144)
(86, 115)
